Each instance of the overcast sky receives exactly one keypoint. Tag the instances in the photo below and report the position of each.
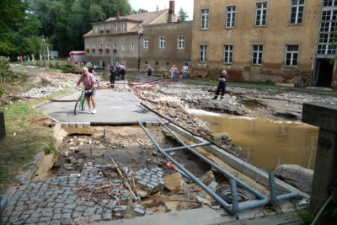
(151, 5)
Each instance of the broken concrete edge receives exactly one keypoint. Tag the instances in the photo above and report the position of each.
(259, 175)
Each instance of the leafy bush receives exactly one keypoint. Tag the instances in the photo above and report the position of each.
(51, 65)
(5, 72)
(71, 68)
(2, 92)
(57, 65)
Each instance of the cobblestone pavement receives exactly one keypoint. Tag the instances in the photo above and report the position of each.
(68, 200)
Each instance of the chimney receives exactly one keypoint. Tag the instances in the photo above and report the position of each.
(117, 15)
(172, 16)
(171, 8)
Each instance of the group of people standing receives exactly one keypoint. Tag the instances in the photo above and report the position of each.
(25, 58)
(175, 72)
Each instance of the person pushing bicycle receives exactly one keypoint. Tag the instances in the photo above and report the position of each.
(89, 81)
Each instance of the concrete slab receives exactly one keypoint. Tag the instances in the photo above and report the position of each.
(113, 108)
(207, 216)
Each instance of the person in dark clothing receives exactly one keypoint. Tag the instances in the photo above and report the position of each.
(113, 74)
(122, 72)
(221, 85)
(91, 68)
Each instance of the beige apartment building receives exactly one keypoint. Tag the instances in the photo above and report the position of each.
(165, 45)
(266, 41)
(155, 38)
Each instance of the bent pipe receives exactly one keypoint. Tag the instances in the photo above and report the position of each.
(233, 208)
(272, 183)
(220, 169)
(223, 203)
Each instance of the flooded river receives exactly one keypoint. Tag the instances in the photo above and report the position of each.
(267, 144)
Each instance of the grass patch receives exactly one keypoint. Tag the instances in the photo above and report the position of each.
(327, 94)
(24, 138)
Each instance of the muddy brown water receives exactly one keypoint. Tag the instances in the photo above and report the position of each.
(267, 144)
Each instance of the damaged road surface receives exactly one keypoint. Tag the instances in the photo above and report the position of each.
(110, 170)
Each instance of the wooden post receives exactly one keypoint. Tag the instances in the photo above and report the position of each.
(324, 116)
(2, 126)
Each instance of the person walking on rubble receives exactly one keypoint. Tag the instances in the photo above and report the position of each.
(221, 85)
(89, 82)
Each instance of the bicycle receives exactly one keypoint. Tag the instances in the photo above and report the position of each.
(80, 103)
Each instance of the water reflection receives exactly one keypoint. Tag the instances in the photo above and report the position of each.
(267, 144)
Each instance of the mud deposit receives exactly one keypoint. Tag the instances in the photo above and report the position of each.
(128, 146)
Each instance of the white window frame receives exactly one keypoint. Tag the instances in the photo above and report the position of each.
(132, 46)
(162, 42)
(96, 29)
(123, 46)
(123, 26)
(145, 42)
(101, 46)
(291, 55)
(204, 19)
(107, 45)
(115, 27)
(230, 16)
(115, 46)
(228, 54)
(297, 12)
(261, 14)
(257, 55)
(107, 27)
(181, 42)
(203, 53)
(327, 3)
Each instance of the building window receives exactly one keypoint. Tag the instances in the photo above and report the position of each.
(203, 53)
(123, 26)
(330, 2)
(101, 46)
(204, 19)
(261, 14)
(292, 55)
(257, 54)
(123, 46)
(107, 46)
(230, 18)
(297, 8)
(132, 46)
(162, 42)
(107, 27)
(181, 42)
(228, 54)
(115, 46)
(115, 27)
(96, 29)
(146, 42)
(327, 31)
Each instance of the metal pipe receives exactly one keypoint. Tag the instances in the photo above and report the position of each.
(234, 192)
(223, 203)
(224, 172)
(184, 147)
(272, 188)
(230, 208)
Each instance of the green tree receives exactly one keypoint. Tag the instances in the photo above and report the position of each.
(182, 15)
(11, 13)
